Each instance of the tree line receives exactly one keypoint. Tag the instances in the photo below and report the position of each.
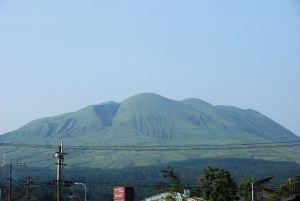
(217, 185)
(147, 180)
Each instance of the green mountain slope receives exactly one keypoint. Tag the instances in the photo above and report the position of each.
(89, 119)
(147, 120)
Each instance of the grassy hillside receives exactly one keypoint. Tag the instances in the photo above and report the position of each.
(116, 134)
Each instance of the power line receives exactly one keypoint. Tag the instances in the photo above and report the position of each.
(166, 148)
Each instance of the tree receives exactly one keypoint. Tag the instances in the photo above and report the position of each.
(217, 185)
(185, 174)
(284, 190)
(245, 189)
(175, 187)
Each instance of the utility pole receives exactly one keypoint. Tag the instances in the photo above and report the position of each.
(1, 165)
(60, 157)
(28, 181)
(58, 178)
(9, 182)
(252, 192)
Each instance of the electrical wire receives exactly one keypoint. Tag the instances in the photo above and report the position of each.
(65, 169)
(165, 148)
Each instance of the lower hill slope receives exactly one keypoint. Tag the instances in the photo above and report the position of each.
(149, 129)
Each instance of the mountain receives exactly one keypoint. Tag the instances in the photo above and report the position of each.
(148, 128)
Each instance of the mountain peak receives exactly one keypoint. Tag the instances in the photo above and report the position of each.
(149, 119)
(146, 97)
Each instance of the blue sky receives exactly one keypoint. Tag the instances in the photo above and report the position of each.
(60, 56)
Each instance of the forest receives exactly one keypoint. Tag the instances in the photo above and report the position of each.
(147, 180)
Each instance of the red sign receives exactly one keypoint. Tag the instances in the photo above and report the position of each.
(119, 193)
(122, 193)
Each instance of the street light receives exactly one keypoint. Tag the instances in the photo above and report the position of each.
(84, 189)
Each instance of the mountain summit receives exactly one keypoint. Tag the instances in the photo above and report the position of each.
(152, 120)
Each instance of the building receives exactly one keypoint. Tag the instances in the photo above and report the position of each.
(266, 185)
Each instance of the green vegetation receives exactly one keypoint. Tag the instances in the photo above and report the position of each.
(285, 189)
(175, 187)
(217, 185)
(245, 189)
(128, 143)
(147, 180)
(93, 134)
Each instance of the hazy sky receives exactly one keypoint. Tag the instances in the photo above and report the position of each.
(61, 56)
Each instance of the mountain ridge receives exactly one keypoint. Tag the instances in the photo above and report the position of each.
(150, 119)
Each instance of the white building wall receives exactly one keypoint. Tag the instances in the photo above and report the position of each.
(161, 197)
